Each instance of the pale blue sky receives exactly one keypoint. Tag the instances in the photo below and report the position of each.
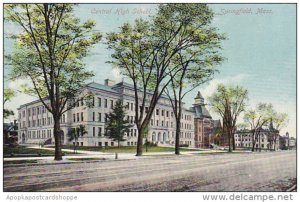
(260, 50)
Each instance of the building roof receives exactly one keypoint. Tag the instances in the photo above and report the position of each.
(199, 95)
(101, 87)
(201, 111)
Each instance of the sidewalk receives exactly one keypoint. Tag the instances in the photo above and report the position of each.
(105, 155)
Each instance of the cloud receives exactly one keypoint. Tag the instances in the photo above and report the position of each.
(282, 106)
(208, 90)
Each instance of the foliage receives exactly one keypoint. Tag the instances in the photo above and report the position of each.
(145, 50)
(8, 95)
(49, 51)
(229, 102)
(75, 134)
(117, 126)
(257, 119)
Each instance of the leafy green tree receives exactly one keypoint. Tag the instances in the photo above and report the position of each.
(117, 126)
(75, 133)
(229, 102)
(257, 119)
(49, 51)
(8, 95)
(144, 52)
(195, 66)
(279, 121)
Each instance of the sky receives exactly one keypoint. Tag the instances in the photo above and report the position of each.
(260, 51)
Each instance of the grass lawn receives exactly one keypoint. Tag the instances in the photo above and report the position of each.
(124, 149)
(24, 150)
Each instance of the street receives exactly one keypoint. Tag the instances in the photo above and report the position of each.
(266, 171)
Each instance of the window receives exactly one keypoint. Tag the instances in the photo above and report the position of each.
(93, 131)
(127, 106)
(157, 111)
(106, 144)
(81, 143)
(151, 122)
(162, 112)
(77, 117)
(105, 103)
(38, 111)
(93, 116)
(64, 119)
(93, 101)
(162, 123)
(100, 144)
(29, 112)
(106, 116)
(131, 106)
(112, 144)
(167, 113)
(99, 117)
(111, 104)
(99, 131)
(33, 111)
(99, 102)
(74, 119)
(157, 123)
(82, 116)
(82, 103)
(171, 114)
(135, 132)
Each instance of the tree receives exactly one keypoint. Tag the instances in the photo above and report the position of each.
(8, 95)
(196, 66)
(229, 102)
(75, 133)
(144, 51)
(257, 119)
(49, 51)
(279, 121)
(117, 126)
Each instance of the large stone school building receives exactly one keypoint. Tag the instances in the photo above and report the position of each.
(36, 123)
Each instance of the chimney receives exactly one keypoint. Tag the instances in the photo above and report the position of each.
(109, 82)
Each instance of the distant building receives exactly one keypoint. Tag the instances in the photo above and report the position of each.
(218, 137)
(10, 132)
(266, 140)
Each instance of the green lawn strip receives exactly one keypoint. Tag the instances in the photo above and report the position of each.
(25, 150)
(125, 149)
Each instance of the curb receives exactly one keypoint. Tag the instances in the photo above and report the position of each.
(71, 162)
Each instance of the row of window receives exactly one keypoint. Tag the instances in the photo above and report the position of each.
(106, 144)
(250, 145)
(39, 134)
(33, 111)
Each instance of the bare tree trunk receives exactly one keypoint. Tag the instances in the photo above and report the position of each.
(259, 142)
(177, 137)
(253, 142)
(57, 138)
(233, 140)
(139, 149)
(229, 142)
